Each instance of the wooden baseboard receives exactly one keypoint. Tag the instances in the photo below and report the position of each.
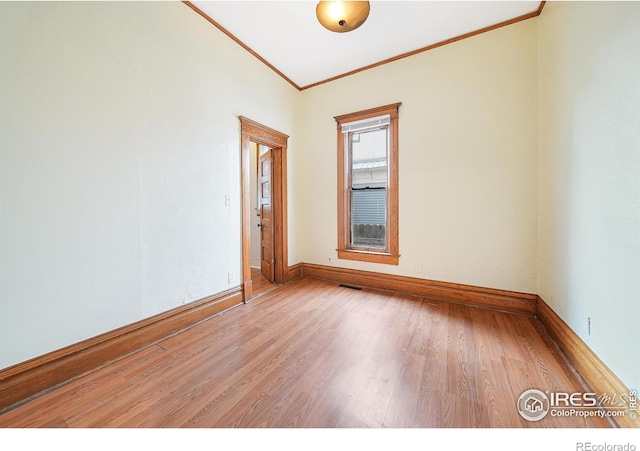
(293, 272)
(24, 380)
(487, 298)
(596, 374)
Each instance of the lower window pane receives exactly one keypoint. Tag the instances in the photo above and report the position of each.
(368, 218)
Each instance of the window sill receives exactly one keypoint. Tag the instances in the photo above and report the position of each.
(367, 256)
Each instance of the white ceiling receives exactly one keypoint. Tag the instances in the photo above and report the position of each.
(288, 36)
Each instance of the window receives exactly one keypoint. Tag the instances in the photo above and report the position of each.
(368, 185)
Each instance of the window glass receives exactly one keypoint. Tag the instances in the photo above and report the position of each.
(369, 150)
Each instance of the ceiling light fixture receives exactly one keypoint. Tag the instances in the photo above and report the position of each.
(342, 16)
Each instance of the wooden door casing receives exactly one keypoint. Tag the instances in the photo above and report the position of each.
(252, 131)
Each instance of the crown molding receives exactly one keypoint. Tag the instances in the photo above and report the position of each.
(530, 15)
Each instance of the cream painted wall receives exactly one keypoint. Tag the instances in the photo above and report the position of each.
(589, 201)
(119, 139)
(468, 160)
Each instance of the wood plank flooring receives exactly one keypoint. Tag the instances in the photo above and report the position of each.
(260, 282)
(313, 354)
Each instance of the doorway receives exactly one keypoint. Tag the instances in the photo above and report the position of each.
(262, 236)
(273, 204)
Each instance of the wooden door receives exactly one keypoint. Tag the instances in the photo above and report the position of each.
(267, 264)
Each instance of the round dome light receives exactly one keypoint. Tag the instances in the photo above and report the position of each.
(342, 16)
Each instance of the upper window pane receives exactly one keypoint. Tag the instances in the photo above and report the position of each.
(369, 158)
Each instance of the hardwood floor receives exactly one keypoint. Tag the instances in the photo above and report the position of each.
(260, 282)
(314, 354)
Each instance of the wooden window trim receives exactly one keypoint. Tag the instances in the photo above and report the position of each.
(391, 254)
